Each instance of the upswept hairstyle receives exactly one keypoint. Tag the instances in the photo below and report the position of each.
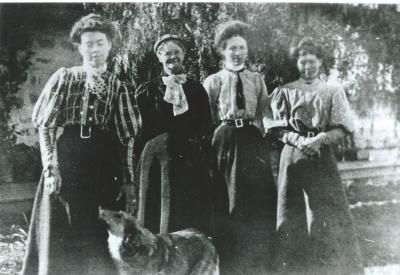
(307, 45)
(94, 23)
(230, 29)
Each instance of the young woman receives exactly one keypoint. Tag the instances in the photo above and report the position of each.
(315, 230)
(246, 196)
(80, 115)
(174, 173)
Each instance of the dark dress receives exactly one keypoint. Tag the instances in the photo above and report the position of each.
(66, 236)
(184, 142)
(315, 229)
(246, 195)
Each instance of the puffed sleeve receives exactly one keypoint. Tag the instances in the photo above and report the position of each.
(341, 115)
(128, 124)
(280, 110)
(263, 110)
(49, 101)
(213, 90)
(44, 118)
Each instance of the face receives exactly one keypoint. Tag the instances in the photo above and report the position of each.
(235, 51)
(94, 48)
(308, 66)
(171, 56)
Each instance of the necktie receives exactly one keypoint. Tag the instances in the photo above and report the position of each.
(239, 93)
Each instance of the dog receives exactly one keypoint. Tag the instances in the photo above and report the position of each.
(135, 250)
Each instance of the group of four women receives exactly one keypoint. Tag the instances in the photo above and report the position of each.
(199, 147)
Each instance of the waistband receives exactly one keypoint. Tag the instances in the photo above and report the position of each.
(84, 131)
(238, 123)
(309, 133)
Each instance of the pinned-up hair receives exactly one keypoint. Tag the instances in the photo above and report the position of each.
(230, 29)
(307, 45)
(94, 23)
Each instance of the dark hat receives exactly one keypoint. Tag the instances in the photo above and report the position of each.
(168, 37)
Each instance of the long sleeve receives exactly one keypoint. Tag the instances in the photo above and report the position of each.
(128, 123)
(213, 91)
(44, 117)
(263, 110)
(49, 102)
(47, 138)
(280, 111)
(340, 113)
(205, 116)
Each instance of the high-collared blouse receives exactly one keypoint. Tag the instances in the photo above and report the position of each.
(221, 89)
(66, 100)
(303, 106)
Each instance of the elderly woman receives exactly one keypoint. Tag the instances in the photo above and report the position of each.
(315, 230)
(174, 174)
(80, 115)
(246, 202)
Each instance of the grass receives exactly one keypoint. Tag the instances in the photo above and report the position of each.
(12, 250)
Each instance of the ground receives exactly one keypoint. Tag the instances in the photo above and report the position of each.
(375, 205)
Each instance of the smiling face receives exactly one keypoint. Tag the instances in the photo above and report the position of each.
(308, 66)
(94, 48)
(234, 52)
(170, 55)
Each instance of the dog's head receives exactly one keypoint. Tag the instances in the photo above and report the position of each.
(125, 231)
(117, 221)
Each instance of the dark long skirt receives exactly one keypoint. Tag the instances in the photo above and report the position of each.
(315, 228)
(66, 236)
(181, 166)
(246, 201)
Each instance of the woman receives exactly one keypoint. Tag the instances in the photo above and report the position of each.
(315, 230)
(79, 115)
(173, 168)
(246, 201)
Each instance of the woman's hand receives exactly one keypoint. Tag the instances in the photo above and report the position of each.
(311, 147)
(52, 182)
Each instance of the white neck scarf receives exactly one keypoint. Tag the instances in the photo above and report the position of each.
(174, 93)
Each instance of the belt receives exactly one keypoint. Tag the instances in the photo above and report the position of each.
(238, 123)
(309, 133)
(86, 131)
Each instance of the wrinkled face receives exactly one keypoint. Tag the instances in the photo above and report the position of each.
(308, 66)
(170, 55)
(235, 51)
(94, 48)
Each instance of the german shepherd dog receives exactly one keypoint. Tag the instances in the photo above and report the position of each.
(136, 250)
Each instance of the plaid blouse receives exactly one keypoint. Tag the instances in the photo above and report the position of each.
(66, 100)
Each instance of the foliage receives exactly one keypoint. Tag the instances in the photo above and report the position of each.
(18, 28)
(360, 41)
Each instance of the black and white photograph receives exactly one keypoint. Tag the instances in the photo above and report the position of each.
(200, 138)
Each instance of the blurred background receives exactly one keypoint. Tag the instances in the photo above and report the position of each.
(361, 43)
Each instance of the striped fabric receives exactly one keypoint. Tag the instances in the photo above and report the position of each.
(66, 100)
